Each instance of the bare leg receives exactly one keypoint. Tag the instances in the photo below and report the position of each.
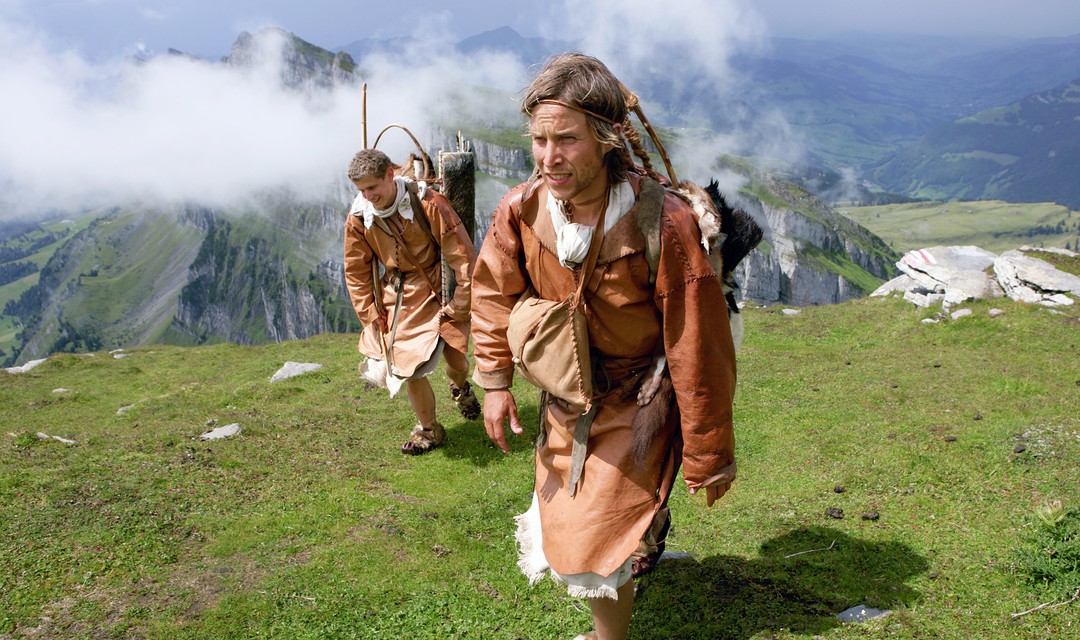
(457, 366)
(422, 399)
(612, 617)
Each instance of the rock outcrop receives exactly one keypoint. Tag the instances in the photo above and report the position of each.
(952, 275)
(301, 65)
(811, 254)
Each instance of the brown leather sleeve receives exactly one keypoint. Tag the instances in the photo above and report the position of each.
(700, 351)
(497, 282)
(358, 263)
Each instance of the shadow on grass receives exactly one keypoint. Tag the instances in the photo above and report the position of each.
(469, 440)
(727, 597)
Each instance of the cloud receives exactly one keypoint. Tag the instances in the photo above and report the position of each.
(77, 134)
(627, 34)
(686, 50)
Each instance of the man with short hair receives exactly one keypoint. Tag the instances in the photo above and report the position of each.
(589, 517)
(397, 235)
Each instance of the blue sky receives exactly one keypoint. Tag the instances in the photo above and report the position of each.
(208, 27)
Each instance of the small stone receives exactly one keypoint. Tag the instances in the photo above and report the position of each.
(949, 438)
(996, 313)
(1019, 448)
(862, 613)
(929, 321)
(977, 416)
(293, 369)
(833, 512)
(838, 489)
(124, 409)
(791, 312)
(937, 365)
(221, 433)
(61, 390)
(871, 515)
(962, 313)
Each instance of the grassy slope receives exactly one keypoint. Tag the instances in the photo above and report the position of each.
(993, 225)
(311, 524)
(13, 290)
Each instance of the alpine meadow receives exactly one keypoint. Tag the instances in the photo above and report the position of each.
(908, 453)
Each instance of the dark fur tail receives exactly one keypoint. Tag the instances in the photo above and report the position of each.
(743, 233)
(650, 420)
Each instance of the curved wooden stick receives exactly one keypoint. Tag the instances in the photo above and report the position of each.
(423, 156)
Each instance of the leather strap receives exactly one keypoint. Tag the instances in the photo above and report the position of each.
(584, 422)
(389, 228)
(580, 448)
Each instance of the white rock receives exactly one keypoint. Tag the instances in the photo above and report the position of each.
(220, 433)
(961, 313)
(902, 282)
(791, 312)
(118, 356)
(61, 390)
(45, 436)
(1015, 269)
(1060, 252)
(929, 321)
(26, 366)
(122, 410)
(862, 613)
(996, 313)
(921, 298)
(293, 369)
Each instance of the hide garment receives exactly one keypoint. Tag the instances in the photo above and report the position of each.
(684, 314)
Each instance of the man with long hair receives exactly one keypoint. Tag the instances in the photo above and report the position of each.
(598, 501)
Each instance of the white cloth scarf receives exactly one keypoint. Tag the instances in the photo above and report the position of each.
(402, 203)
(572, 239)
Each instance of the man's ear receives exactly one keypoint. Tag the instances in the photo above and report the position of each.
(618, 131)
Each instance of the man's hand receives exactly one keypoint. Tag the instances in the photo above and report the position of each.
(715, 486)
(499, 405)
(381, 323)
(448, 312)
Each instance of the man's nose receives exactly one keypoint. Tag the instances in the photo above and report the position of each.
(551, 155)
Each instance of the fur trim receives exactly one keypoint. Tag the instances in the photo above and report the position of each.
(602, 591)
(530, 540)
(375, 372)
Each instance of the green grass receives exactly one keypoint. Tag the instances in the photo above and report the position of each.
(311, 524)
(992, 224)
(64, 229)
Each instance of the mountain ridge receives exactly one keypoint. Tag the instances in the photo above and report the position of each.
(251, 279)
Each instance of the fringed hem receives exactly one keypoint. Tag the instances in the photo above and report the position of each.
(575, 591)
(374, 370)
(533, 563)
(530, 542)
